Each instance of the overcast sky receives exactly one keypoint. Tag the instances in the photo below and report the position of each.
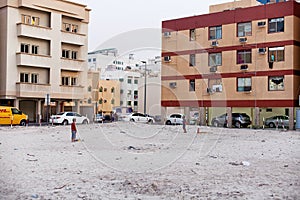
(111, 18)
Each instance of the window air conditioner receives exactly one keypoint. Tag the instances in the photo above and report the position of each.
(217, 88)
(167, 58)
(243, 40)
(262, 50)
(244, 67)
(261, 24)
(173, 84)
(213, 69)
(214, 43)
(167, 34)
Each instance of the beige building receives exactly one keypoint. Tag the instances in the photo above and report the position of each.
(109, 95)
(241, 57)
(43, 50)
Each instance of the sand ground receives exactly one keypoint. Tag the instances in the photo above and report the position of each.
(125, 160)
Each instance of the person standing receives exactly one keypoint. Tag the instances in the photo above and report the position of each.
(73, 130)
(184, 124)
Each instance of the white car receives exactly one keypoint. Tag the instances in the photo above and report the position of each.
(175, 119)
(139, 117)
(66, 118)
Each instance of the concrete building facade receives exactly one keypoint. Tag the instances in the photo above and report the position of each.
(241, 57)
(43, 50)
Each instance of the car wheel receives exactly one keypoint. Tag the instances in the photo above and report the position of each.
(168, 122)
(23, 123)
(132, 120)
(85, 121)
(237, 124)
(65, 122)
(215, 123)
(272, 125)
(150, 121)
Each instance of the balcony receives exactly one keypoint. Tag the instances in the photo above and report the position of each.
(34, 31)
(73, 65)
(32, 90)
(24, 59)
(70, 92)
(73, 38)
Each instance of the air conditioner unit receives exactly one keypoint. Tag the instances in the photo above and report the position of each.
(262, 50)
(173, 85)
(214, 43)
(244, 67)
(261, 24)
(167, 34)
(213, 69)
(243, 40)
(217, 88)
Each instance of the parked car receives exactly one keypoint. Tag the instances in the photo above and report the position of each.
(66, 118)
(175, 119)
(140, 117)
(238, 120)
(98, 118)
(280, 120)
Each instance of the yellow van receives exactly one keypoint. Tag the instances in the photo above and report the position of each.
(11, 115)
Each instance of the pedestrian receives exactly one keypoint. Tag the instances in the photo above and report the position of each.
(73, 130)
(184, 124)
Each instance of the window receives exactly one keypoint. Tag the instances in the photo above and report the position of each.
(135, 103)
(74, 55)
(128, 103)
(67, 27)
(100, 101)
(74, 28)
(112, 101)
(276, 25)
(89, 88)
(136, 81)
(94, 59)
(25, 48)
(74, 81)
(34, 78)
(35, 21)
(89, 101)
(244, 84)
(89, 60)
(112, 90)
(24, 77)
(167, 58)
(34, 49)
(101, 89)
(65, 53)
(105, 90)
(192, 60)
(121, 79)
(244, 56)
(276, 83)
(135, 94)
(244, 29)
(121, 103)
(215, 59)
(192, 85)
(26, 19)
(215, 32)
(65, 80)
(192, 34)
(129, 81)
(276, 54)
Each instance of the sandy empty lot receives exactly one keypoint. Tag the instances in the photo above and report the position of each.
(125, 160)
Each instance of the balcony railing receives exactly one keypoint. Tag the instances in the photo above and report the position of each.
(73, 65)
(73, 38)
(32, 90)
(71, 92)
(28, 30)
(34, 60)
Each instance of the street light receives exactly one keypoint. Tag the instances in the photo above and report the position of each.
(145, 86)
